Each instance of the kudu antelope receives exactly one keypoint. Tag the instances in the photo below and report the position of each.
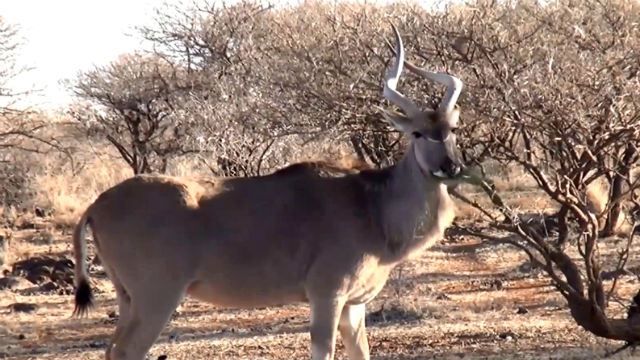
(297, 235)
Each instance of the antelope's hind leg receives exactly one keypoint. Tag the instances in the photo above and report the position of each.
(124, 312)
(150, 311)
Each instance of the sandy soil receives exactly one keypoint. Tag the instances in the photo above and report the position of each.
(462, 299)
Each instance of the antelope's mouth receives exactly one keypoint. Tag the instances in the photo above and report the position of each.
(465, 175)
(441, 174)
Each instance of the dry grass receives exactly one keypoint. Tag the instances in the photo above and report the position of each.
(67, 193)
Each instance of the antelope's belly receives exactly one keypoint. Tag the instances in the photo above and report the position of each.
(246, 294)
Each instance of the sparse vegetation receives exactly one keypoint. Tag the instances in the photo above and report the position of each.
(549, 115)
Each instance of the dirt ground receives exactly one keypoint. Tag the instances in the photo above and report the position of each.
(463, 299)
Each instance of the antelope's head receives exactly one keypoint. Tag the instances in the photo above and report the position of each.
(433, 131)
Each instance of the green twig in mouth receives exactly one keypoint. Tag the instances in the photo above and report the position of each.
(473, 177)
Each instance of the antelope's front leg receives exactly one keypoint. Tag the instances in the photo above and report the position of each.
(325, 314)
(352, 330)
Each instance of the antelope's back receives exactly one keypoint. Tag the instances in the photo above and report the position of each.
(302, 201)
(293, 212)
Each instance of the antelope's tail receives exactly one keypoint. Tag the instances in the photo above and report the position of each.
(83, 292)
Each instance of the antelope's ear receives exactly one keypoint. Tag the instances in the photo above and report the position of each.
(400, 121)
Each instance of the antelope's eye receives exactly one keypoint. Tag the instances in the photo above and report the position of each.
(416, 134)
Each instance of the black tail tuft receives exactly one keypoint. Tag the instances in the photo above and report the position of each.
(84, 299)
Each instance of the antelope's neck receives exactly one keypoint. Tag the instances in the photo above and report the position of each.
(415, 210)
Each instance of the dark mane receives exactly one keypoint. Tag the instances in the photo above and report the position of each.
(319, 168)
(370, 177)
(376, 177)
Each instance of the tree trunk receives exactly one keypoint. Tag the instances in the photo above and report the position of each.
(563, 228)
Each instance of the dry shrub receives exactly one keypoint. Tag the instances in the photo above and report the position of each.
(67, 193)
(15, 187)
(553, 89)
(514, 179)
(189, 167)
